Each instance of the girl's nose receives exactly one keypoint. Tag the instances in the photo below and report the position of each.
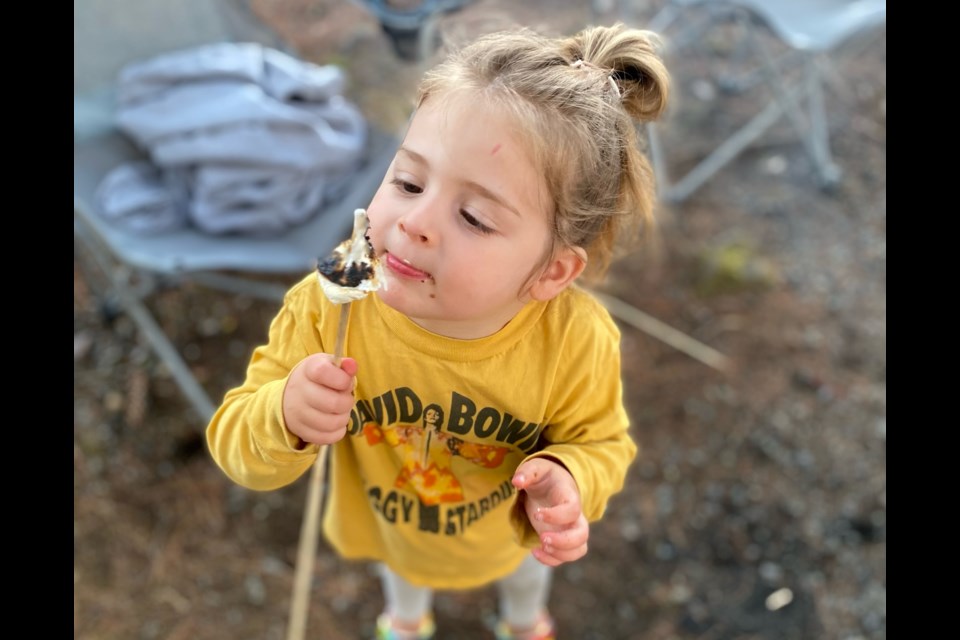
(416, 225)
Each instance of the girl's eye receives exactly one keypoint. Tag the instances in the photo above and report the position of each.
(474, 223)
(406, 187)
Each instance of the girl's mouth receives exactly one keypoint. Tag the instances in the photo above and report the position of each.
(404, 270)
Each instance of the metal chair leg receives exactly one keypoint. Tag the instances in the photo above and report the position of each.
(119, 286)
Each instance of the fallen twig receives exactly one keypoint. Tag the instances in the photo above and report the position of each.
(664, 332)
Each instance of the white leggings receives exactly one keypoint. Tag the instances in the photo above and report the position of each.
(522, 594)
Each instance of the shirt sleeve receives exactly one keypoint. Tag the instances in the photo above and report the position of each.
(588, 432)
(247, 436)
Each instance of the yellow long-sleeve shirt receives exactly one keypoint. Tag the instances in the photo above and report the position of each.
(422, 480)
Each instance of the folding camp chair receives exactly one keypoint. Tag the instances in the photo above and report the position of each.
(809, 30)
(109, 34)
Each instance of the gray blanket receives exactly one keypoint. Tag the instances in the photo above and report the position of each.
(242, 139)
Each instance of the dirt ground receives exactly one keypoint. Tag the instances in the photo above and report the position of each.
(757, 507)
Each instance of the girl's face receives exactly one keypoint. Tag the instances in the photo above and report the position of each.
(460, 221)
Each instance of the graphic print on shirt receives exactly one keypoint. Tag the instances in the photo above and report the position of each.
(426, 448)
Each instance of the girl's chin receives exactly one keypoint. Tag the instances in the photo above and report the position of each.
(405, 296)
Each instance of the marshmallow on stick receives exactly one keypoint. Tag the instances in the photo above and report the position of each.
(353, 269)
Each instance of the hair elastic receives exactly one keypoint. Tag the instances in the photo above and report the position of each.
(616, 87)
(577, 64)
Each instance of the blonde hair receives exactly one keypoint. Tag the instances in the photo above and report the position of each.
(578, 100)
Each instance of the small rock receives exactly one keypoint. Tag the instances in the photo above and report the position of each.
(779, 599)
(630, 530)
(775, 165)
(82, 342)
(256, 592)
(771, 572)
(680, 593)
(274, 566)
(665, 551)
(113, 401)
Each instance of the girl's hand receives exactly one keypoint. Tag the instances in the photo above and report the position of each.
(552, 504)
(318, 398)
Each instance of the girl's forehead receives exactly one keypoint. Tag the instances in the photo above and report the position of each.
(472, 104)
(455, 111)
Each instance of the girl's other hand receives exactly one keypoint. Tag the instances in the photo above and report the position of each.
(552, 504)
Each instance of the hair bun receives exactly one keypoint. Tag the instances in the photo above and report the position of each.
(636, 66)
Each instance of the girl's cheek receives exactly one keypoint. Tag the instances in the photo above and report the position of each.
(375, 240)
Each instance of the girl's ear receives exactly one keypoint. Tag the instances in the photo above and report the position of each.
(562, 269)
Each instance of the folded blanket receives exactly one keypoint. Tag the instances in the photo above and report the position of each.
(259, 140)
(137, 196)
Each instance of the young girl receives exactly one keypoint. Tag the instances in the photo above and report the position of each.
(477, 426)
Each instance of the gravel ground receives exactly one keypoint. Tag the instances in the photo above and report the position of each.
(757, 507)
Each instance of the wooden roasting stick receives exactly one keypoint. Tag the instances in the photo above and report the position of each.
(309, 530)
(349, 274)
